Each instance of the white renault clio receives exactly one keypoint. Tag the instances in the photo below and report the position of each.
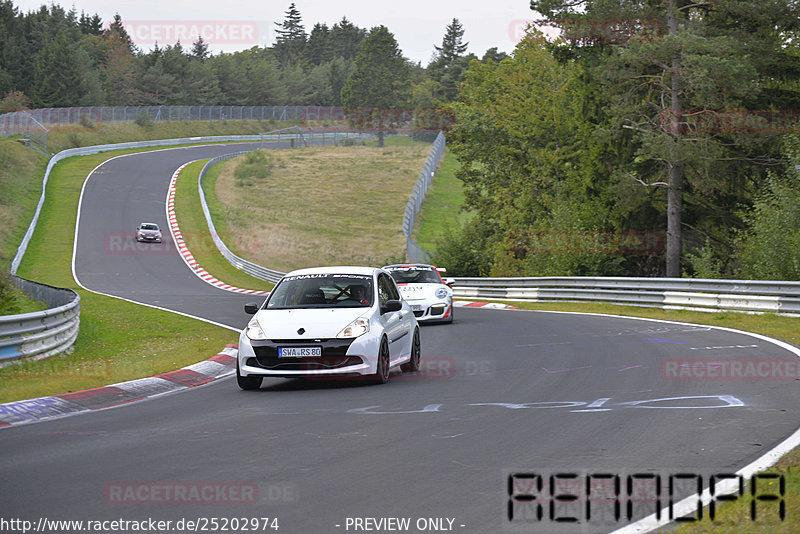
(326, 322)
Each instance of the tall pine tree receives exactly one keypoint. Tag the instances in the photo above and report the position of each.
(447, 66)
(291, 37)
(379, 83)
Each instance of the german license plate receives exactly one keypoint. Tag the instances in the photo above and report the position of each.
(416, 307)
(299, 352)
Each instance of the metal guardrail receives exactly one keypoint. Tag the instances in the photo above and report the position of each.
(96, 149)
(417, 254)
(672, 293)
(412, 208)
(40, 334)
(253, 269)
(52, 331)
(299, 137)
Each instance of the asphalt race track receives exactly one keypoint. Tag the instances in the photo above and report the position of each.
(501, 393)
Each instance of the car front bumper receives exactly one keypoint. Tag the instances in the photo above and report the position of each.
(431, 311)
(340, 357)
(149, 238)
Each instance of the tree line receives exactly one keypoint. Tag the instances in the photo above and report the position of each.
(651, 138)
(52, 57)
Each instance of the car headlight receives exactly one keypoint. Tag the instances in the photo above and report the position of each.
(441, 293)
(254, 330)
(359, 327)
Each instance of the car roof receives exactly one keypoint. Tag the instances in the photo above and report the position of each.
(142, 224)
(427, 265)
(344, 269)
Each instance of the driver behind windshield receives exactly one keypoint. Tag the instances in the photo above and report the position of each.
(359, 293)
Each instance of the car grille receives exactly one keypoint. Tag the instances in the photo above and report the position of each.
(334, 354)
(419, 313)
(305, 364)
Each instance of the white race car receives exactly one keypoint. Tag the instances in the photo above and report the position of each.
(148, 232)
(326, 322)
(422, 286)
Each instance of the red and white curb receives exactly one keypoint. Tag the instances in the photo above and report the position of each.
(43, 408)
(187, 256)
(486, 305)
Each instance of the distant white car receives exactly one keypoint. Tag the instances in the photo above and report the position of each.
(327, 322)
(430, 296)
(149, 232)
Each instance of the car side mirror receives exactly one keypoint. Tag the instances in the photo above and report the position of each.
(449, 282)
(251, 308)
(392, 306)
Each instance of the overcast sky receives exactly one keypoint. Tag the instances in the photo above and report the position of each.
(230, 25)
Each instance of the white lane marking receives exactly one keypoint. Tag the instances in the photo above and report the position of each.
(725, 347)
(599, 402)
(75, 251)
(370, 410)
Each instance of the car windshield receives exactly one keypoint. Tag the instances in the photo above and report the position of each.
(322, 291)
(415, 275)
(147, 226)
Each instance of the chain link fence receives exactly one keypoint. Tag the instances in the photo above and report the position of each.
(22, 122)
(417, 254)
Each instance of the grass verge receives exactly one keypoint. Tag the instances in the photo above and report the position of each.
(195, 230)
(19, 191)
(320, 205)
(118, 340)
(442, 205)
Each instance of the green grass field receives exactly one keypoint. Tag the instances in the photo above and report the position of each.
(118, 340)
(442, 205)
(195, 230)
(319, 205)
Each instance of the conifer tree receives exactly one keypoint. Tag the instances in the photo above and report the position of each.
(379, 83)
(291, 37)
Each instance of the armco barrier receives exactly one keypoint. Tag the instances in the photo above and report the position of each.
(675, 293)
(414, 251)
(49, 332)
(255, 270)
(96, 149)
(40, 334)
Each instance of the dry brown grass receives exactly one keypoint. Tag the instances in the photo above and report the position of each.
(322, 206)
